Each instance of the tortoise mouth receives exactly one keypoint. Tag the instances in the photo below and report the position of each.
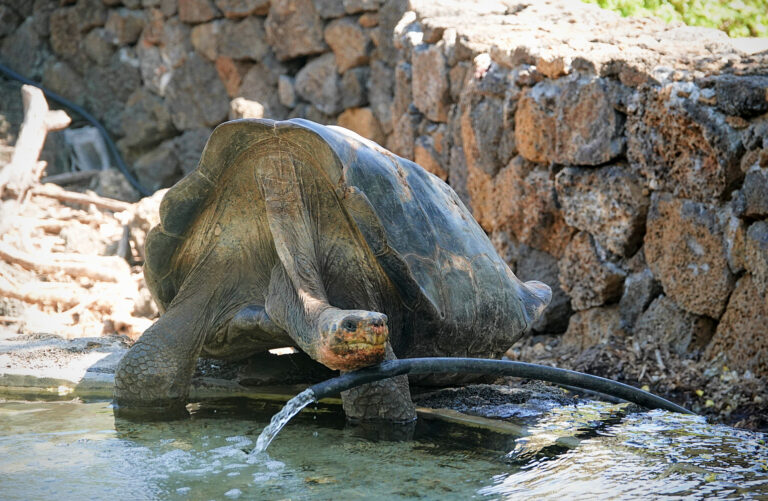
(351, 356)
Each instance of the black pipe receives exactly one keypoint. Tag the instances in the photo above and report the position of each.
(437, 365)
(90, 118)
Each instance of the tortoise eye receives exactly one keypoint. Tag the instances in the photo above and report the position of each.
(349, 325)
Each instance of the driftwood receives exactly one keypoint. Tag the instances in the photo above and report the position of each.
(24, 170)
(102, 268)
(73, 298)
(35, 294)
(53, 191)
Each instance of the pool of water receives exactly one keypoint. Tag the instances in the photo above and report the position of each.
(81, 451)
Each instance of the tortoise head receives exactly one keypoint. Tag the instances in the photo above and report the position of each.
(351, 339)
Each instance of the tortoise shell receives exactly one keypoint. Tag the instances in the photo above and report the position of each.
(462, 296)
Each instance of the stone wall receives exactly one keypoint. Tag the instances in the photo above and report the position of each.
(623, 162)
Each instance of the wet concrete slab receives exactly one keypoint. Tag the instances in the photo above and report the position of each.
(49, 364)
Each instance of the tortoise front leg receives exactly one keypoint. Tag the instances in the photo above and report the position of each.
(154, 375)
(385, 400)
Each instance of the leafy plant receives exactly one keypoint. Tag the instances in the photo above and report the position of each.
(738, 18)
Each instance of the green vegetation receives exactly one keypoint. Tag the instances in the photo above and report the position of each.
(738, 18)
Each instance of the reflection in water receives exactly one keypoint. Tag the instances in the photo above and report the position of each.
(653, 453)
(574, 452)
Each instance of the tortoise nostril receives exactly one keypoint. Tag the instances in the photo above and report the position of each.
(378, 322)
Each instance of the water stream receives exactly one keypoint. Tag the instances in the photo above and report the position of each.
(292, 407)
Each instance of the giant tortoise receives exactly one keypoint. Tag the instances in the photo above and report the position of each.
(297, 234)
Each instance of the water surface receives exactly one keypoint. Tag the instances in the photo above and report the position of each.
(50, 449)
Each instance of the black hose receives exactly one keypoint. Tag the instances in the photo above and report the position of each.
(436, 365)
(90, 118)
